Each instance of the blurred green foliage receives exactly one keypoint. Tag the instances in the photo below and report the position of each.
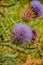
(9, 16)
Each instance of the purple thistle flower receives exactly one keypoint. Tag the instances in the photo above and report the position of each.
(37, 7)
(22, 32)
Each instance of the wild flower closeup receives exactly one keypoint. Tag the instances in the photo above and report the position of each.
(22, 33)
(37, 7)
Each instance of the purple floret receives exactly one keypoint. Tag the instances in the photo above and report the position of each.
(22, 32)
(37, 7)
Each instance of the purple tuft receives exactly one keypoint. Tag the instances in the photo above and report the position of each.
(37, 7)
(22, 32)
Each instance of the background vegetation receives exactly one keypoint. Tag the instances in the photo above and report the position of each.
(12, 54)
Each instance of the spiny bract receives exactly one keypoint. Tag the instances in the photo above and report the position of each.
(28, 14)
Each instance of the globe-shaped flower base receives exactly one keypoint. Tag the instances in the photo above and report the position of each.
(29, 14)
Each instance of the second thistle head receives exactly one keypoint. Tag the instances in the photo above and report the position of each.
(37, 7)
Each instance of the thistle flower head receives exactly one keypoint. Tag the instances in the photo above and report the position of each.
(37, 7)
(22, 32)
